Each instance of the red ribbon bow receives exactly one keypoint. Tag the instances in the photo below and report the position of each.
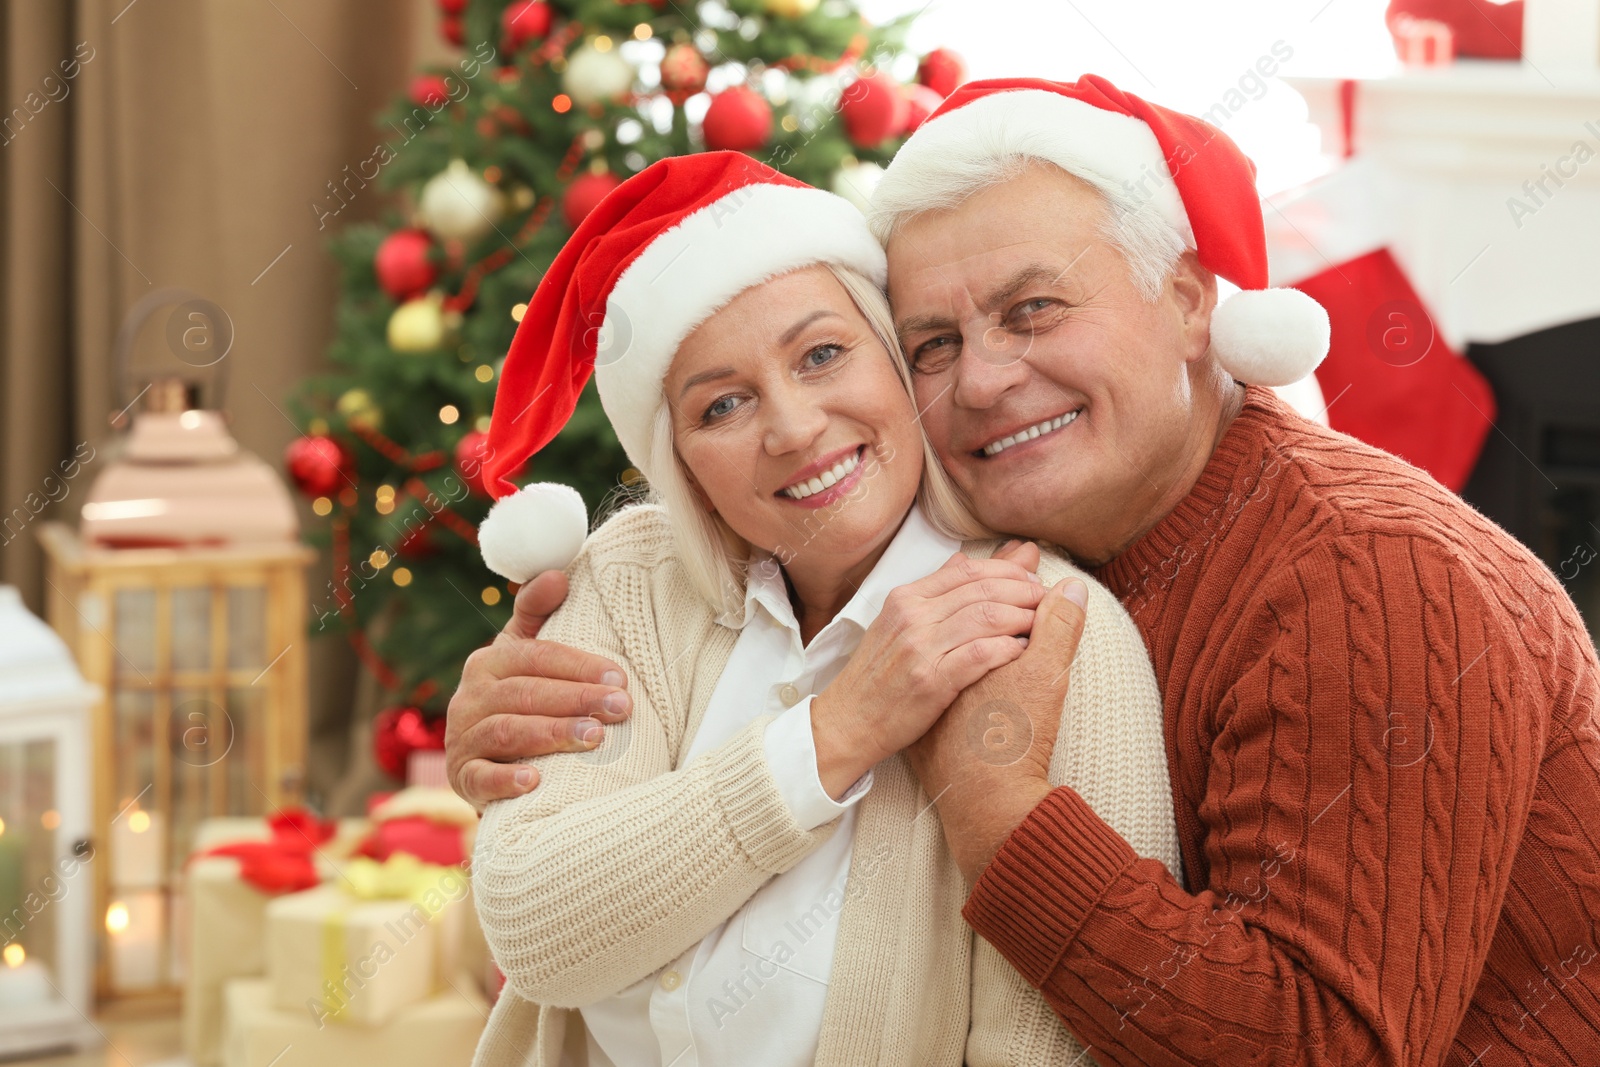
(284, 863)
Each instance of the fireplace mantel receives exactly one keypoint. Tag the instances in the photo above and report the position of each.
(1451, 165)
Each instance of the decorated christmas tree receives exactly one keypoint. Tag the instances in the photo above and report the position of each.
(495, 159)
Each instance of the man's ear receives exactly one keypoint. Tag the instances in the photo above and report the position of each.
(1194, 290)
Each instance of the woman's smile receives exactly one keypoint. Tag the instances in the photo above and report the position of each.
(827, 480)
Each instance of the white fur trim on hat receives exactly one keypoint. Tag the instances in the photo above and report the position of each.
(1269, 336)
(1078, 137)
(538, 528)
(691, 271)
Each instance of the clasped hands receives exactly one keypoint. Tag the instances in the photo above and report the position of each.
(977, 720)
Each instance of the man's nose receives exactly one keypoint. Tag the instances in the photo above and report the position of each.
(993, 361)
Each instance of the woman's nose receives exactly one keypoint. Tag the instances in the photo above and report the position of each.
(793, 423)
(993, 360)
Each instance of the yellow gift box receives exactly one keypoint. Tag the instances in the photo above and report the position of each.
(378, 938)
(224, 924)
(439, 1031)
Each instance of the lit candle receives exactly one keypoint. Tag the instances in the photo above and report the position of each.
(10, 869)
(22, 981)
(134, 922)
(138, 843)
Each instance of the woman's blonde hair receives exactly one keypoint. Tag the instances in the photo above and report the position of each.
(713, 555)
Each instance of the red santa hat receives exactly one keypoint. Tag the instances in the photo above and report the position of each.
(657, 257)
(1094, 130)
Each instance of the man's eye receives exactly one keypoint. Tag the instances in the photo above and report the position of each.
(1026, 313)
(935, 354)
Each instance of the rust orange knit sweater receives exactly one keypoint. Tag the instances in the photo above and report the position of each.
(1382, 731)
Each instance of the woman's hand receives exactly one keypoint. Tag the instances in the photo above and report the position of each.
(933, 638)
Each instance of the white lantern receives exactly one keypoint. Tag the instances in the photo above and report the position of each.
(46, 881)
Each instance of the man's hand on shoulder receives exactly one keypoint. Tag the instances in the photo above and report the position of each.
(987, 760)
(521, 697)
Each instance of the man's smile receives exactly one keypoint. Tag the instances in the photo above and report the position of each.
(1032, 432)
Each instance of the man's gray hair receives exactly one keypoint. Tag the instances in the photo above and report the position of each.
(1131, 219)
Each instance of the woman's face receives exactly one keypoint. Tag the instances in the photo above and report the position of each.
(793, 424)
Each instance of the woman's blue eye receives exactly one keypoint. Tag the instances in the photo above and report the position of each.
(823, 354)
(720, 407)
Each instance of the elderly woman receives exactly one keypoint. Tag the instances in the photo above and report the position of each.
(746, 872)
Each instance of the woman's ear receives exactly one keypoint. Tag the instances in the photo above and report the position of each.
(1194, 290)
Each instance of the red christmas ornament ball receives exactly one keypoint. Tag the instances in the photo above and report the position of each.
(524, 21)
(452, 7)
(942, 70)
(472, 452)
(921, 102)
(738, 120)
(398, 732)
(450, 29)
(317, 464)
(402, 264)
(585, 194)
(429, 90)
(416, 543)
(684, 69)
(873, 109)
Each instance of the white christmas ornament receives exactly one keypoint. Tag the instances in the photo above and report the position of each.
(594, 76)
(855, 181)
(540, 527)
(458, 203)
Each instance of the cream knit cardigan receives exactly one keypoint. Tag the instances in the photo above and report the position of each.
(621, 859)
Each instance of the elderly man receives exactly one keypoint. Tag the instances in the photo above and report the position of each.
(1380, 709)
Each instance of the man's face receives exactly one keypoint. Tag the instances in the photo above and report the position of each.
(1023, 324)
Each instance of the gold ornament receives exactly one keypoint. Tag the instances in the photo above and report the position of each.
(790, 9)
(359, 409)
(417, 325)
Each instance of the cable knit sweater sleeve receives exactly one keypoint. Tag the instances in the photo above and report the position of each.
(1371, 768)
(618, 862)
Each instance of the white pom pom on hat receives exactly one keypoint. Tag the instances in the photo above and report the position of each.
(540, 527)
(1270, 336)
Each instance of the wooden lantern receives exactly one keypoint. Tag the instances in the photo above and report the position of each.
(201, 655)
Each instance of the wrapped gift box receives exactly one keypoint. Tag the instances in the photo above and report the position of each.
(438, 1031)
(226, 923)
(1423, 42)
(360, 952)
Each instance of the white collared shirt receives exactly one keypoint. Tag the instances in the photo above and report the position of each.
(753, 990)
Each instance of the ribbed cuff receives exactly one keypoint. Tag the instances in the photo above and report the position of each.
(756, 810)
(1040, 887)
(792, 754)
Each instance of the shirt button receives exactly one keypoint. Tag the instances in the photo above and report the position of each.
(789, 695)
(671, 980)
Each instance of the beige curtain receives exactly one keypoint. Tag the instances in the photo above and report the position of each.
(161, 143)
